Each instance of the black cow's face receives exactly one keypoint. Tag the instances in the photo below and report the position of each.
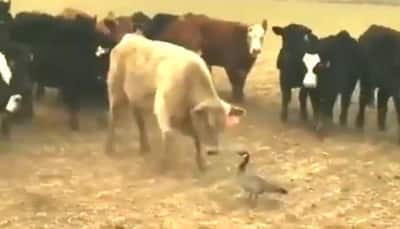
(295, 37)
(5, 6)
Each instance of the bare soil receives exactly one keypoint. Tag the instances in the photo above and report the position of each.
(51, 177)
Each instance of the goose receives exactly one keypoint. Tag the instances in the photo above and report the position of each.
(252, 184)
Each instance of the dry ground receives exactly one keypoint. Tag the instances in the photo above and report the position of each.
(52, 178)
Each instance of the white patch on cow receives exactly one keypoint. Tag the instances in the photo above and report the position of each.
(255, 38)
(6, 1)
(310, 61)
(101, 51)
(13, 103)
(5, 71)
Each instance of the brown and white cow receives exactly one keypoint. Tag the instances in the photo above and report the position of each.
(231, 45)
(173, 82)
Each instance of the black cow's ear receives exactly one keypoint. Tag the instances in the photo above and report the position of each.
(277, 30)
(265, 24)
(8, 2)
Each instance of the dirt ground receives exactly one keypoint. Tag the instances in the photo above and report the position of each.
(53, 178)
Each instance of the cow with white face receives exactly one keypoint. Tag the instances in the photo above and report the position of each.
(176, 85)
(333, 68)
(296, 40)
(255, 37)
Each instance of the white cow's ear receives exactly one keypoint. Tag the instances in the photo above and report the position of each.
(234, 115)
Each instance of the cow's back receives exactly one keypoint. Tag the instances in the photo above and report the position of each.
(142, 66)
(221, 39)
(381, 45)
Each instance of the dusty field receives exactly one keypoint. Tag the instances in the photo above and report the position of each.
(52, 178)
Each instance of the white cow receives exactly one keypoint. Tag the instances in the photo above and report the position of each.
(173, 82)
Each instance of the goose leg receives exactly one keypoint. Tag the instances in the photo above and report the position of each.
(255, 199)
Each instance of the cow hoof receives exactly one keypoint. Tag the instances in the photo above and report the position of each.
(284, 118)
(108, 149)
(360, 125)
(238, 98)
(145, 150)
(303, 117)
(74, 126)
(164, 166)
(202, 167)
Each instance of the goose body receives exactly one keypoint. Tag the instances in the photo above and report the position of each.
(252, 184)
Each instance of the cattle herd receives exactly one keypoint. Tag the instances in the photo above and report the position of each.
(167, 59)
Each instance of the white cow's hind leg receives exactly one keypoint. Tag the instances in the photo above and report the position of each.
(162, 115)
(141, 124)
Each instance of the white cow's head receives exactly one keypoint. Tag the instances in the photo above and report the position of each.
(210, 118)
(255, 37)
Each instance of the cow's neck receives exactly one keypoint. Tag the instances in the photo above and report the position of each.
(201, 90)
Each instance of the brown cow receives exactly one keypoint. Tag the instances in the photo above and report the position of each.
(173, 82)
(116, 27)
(71, 13)
(231, 45)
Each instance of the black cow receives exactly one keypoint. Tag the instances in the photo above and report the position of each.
(5, 15)
(64, 55)
(382, 48)
(139, 20)
(15, 85)
(154, 28)
(333, 67)
(296, 39)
